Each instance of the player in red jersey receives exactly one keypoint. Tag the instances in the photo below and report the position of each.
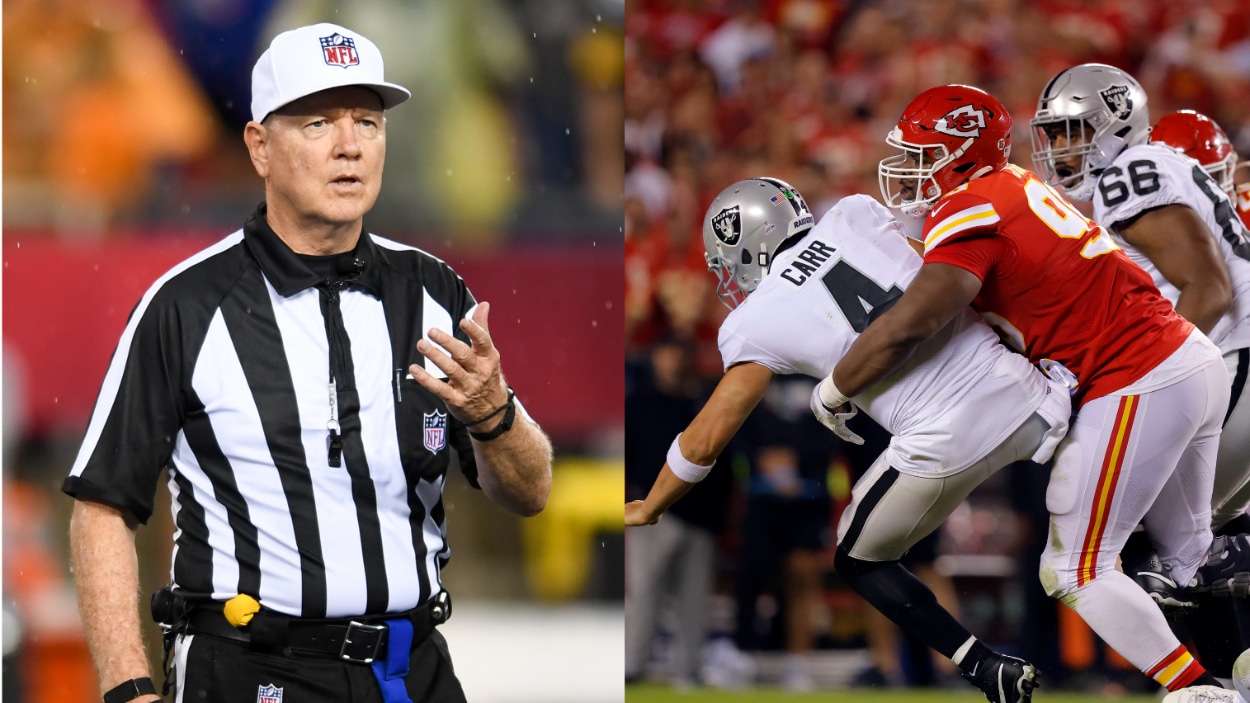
(1200, 137)
(1210, 145)
(1151, 389)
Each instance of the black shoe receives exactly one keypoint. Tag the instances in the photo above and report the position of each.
(1155, 578)
(1227, 571)
(1004, 679)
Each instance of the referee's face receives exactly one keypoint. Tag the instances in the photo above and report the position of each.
(322, 157)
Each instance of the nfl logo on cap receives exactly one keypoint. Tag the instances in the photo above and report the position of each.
(339, 50)
(289, 69)
(435, 431)
(269, 694)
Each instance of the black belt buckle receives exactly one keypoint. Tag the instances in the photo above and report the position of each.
(362, 642)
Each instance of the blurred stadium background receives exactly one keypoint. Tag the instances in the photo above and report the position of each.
(806, 90)
(123, 154)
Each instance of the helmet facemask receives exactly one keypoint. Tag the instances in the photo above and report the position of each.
(1222, 172)
(1090, 113)
(909, 181)
(734, 282)
(1066, 155)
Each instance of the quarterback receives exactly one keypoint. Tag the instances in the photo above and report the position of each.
(800, 295)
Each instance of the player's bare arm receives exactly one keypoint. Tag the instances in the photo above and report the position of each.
(737, 394)
(937, 294)
(514, 468)
(1180, 245)
(102, 551)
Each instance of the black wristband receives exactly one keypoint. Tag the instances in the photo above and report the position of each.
(506, 404)
(509, 414)
(130, 690)
(508, 400)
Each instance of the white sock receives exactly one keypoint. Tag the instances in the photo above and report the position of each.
(1121, 613)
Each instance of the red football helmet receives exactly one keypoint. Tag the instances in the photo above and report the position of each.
(949, 135)
(1198, 136)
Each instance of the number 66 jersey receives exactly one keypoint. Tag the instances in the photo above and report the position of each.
(959, 395)
(1148, 176)
(1054, 284)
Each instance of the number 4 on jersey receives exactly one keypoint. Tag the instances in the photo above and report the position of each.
(859, 297)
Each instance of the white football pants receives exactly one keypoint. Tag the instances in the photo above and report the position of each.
(1148, 459)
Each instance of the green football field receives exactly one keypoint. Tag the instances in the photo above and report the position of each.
(662, 694)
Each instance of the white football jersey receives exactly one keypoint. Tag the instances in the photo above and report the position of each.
(1151, 175)
(958, 397)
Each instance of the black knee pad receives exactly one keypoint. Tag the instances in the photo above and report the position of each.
(850, 568)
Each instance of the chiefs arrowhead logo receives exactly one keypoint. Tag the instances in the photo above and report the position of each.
(965, 121)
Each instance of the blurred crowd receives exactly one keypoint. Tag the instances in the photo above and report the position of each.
(130, 113)
(806, 91)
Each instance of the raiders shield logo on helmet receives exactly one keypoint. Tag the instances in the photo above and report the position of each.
(965, 121)
(728, 225)
(1118, 102)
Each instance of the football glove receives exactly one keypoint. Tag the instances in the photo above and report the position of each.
(836, 418)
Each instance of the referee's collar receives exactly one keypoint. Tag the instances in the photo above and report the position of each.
(288, 273)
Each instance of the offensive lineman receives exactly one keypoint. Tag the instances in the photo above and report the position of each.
(808, 288)
(1200, 138)
(1151, 389)
(1219, 628)
(1091, 137)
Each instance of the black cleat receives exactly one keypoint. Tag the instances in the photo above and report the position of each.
(1227, 571)
(1156, 580)
(1004, 679)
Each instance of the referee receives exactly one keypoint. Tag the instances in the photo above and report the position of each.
(304, 382)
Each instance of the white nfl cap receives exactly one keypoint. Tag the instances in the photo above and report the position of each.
(310, 59)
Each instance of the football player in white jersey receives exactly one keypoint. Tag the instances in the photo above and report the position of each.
(1200, 138)
(812, 290)
(1092, 138)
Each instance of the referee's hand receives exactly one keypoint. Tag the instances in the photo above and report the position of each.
(474, 387)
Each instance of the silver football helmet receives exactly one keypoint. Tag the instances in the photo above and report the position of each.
(1092, 112)
(743, 228)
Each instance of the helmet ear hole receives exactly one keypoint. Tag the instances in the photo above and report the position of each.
(746, 258)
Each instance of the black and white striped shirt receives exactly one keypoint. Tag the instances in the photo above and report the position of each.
(306, 468)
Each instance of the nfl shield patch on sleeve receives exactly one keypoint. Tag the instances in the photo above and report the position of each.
(269, 694)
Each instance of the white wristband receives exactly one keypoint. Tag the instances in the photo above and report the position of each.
(829, 393)
(685, 469)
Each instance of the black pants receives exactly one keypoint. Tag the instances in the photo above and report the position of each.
(212, 669)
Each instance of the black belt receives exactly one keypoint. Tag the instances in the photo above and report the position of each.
(357, 640)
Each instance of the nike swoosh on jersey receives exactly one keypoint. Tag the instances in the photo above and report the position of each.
(960, 221)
